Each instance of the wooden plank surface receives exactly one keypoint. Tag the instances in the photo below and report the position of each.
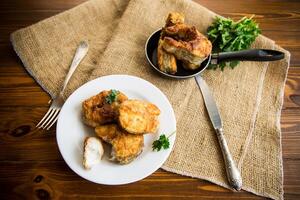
(31, 166)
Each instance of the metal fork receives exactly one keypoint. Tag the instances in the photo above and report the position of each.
(51, 116)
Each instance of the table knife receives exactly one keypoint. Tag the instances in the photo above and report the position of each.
(233, 174)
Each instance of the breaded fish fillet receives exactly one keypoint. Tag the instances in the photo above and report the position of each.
(92, 152)
(97, 110)
(125, 146)
(187, 44)
(166, 61)
(190, 66)
(174, 18)
(138, 117)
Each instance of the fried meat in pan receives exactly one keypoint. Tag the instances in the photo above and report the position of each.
(125, 146)
(174, 18)
(167, 61)
(190, 66)
(187, 44)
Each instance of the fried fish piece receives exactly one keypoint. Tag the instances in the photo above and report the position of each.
(92, 152)
(187, 44)
(102, 108)
(174, 18)
(138, 117)
(166, 61)
(190, 66)
(179, 32)
(125, 146)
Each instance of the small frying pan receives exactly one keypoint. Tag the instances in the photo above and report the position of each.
(246, 55)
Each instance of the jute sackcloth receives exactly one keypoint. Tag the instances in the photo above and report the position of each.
(249, 97)
(48, 47)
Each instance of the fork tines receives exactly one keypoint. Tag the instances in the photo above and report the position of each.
(49, 118)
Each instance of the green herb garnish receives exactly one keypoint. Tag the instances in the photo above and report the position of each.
(162, 142)
(227, 35)
(112, 96)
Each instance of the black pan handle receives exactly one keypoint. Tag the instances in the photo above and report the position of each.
(249, 55)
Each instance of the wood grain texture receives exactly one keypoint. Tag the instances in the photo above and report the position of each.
(31, 166)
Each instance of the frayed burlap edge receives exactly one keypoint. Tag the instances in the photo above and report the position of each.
(27, 68)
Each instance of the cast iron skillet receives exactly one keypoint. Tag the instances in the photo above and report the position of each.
(260, 55)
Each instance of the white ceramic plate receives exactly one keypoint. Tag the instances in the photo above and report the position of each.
(71, 131)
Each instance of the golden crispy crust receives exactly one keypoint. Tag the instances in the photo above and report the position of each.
(190, 66)
(125, 146)
(186, 43)
(166, 61)
(97, 111)
(107, 132)
(138, 117)
(179, 32)
(174, 18)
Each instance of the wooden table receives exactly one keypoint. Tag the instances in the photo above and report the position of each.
(31, 166)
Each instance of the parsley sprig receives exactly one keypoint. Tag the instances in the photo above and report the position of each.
(227, 35)
(162, 142)
(112, 97)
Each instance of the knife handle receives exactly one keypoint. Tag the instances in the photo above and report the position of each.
(233, 174)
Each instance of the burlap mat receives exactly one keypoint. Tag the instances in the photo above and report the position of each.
(249, 97)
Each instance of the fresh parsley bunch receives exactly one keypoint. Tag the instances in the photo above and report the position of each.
(227, 35)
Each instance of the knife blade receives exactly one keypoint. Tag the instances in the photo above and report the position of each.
(233, 174)
(210, 103)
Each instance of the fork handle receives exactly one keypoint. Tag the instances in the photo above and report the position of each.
(79, 55)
